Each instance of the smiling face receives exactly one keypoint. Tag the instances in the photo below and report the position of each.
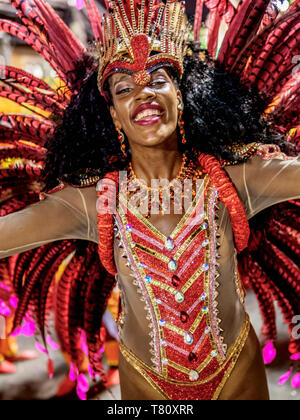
(147, 114)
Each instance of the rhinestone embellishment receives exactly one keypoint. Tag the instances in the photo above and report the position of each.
(179, 297)
(194, 376)
(188, 338)
(192, 357)
(184, 317)
(148, 279)
(205, 243)
(205, 267)
(162, 323)
(164, 361)
(176, 281)
(169, 244)
(172, 265)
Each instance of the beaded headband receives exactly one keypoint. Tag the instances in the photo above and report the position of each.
(140, 36)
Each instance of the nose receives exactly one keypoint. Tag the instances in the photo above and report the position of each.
(144, 93)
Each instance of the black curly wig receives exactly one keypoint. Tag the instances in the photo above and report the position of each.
(218, 112)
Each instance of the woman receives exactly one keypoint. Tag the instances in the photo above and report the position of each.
(183, 327)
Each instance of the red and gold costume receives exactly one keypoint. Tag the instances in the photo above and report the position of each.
(183, 325)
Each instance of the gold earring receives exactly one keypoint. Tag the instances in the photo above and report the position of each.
(121, 138)
(181, 127)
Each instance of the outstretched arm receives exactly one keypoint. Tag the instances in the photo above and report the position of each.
(62, 215)
(262, 183)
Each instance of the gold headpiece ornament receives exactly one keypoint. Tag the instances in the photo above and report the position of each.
(139, 36)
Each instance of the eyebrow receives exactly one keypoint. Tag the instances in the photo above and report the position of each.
(125, 77)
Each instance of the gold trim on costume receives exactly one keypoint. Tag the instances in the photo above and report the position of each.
(178, 254)
(164, 286)
(234, 352)
(197, 322)
(175, 329)
(212, 320)
(192, 280)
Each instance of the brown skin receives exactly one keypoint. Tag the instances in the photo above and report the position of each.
(155, 155)
(154, 148)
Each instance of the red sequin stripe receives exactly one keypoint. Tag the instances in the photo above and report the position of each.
(60, 187)
(229, 197)
(105, 227)
(203, 392)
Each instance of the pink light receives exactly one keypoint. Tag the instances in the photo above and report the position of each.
(269, 353)
(84, 348)
(79, 4)
(16, 332)
(295, 356)
(284, 378)
(14, 301)
(73, 372)
(91, 372)
(83, 383)
(295, 382)
(28, 329)
(40, 348)
(4, 309)
(52, 343)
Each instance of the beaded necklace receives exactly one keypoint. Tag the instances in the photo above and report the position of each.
(160, 198)
(227, 194)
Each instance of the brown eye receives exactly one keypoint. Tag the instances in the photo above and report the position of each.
(158, 82)
(124, 90)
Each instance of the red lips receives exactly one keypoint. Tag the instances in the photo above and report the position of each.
(143, 107)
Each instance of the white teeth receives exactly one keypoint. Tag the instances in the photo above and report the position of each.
(147, 113)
